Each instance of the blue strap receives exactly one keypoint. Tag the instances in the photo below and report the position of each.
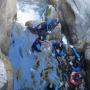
(77, 56)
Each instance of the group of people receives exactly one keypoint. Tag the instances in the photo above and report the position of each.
(69, 60)
(71, 66)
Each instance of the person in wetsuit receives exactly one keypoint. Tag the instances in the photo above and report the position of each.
(46, 27)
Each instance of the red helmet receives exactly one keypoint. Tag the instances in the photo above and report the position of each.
(73, 78)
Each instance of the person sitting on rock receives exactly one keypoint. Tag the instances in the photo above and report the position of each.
(36, 46)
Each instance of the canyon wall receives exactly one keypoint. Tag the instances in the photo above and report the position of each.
(7, 15)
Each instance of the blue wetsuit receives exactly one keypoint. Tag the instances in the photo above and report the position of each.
(36, 46)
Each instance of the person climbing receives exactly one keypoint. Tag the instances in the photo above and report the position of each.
(36, 46)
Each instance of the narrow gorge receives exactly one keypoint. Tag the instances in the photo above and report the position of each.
(20, 69)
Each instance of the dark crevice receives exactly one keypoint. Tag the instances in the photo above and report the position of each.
(67, 26)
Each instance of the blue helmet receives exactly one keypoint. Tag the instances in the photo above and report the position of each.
(51, 24)
(51, 21)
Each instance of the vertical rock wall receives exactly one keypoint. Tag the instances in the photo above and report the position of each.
(6, 73)
(7, 14)
(76, 15)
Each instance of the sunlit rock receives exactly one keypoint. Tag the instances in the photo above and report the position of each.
(7, 15)
(6, 73)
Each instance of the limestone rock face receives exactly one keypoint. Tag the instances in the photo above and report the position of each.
(3, 75)
(6, 73)
(7, 14)
(75, 14)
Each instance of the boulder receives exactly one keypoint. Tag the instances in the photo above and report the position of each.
(7, 15)
(6, 73)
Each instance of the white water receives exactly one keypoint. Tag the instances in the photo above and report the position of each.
(27, 13)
